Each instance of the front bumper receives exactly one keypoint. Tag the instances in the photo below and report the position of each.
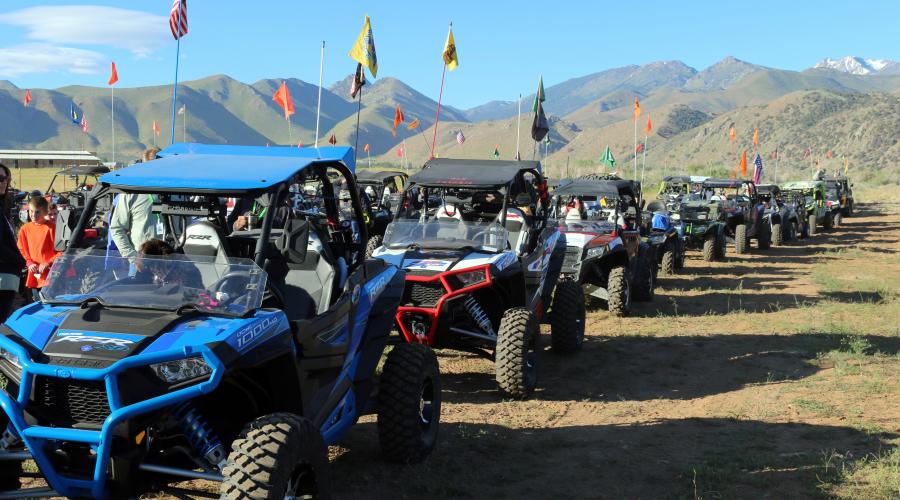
(42, 440)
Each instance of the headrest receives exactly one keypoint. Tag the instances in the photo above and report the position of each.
(573, 214)
(448, 211)
(202, 238)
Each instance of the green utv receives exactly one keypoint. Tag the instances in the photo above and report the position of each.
(817, 212)
(838, 198)
(703, 230)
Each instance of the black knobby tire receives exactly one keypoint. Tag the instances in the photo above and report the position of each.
(273, 453)
(777, 235)
(740, 239)
(618, 288)
(764, 237)
(829, 222)
(645, 284)
(10, 471)
(709, 248)
(409, 403)
(679, 261)
(567, 317)
(811, 225)
(722, 245)
(838, 219)
(516, 356)
(667, 266)
(373, 243)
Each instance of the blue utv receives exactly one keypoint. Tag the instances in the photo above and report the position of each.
(237, 355)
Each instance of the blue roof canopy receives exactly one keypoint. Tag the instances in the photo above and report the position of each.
(211, 172)
(343, 154)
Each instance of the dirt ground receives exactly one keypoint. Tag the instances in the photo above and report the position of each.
(773, 375)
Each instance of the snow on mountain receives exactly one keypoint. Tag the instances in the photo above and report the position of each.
(858, 65)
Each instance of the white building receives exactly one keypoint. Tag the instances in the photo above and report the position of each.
(15, 158)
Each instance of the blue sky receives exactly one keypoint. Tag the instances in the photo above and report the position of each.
(503, 45)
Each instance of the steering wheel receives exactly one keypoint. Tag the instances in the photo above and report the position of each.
(219, 285)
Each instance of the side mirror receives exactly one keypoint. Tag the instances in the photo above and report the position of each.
(292, 243)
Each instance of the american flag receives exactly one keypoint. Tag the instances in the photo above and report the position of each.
(84, 126)
(178, 29)
(757, 169)
(460, 138)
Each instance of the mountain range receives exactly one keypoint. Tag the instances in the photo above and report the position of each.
(586, 113)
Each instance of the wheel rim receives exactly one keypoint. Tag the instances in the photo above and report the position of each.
(302, 483)
(428, 408)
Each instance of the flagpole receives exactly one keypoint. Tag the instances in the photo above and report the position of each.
(112, 120)
(184, 126)
(437, 116)
(644, 161)
(519, 127)
(175, 84)
(358, 110)
(319, 103)
(635, 144)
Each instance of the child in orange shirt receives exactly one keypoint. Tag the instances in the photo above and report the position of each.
(36, 244)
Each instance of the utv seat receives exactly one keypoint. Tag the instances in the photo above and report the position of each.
(205, 244)
(518, 228)
(308, 287)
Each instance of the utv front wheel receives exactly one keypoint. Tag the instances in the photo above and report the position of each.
(709, 248)
(373, 243)
(740, 239)
(516, 354)
(618, 288)
(811, 225)
(838, 219)
(10, 471)
(280, 455)
(764, 237)
(777, 235)
(409, 403)
(668, 261)
(645, 285)
(567, 317)
(829, 222)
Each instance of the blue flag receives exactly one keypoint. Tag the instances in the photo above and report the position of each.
(73, 114)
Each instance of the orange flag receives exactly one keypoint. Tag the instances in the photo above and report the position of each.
(27, 99)
(413, 124)
(155, 128)
(113, 75)
(744, 163)
(732, 134)
(649, 126)
(283, 98)
(637, 108)
(755, 138)
(398, 119)
(366, 148)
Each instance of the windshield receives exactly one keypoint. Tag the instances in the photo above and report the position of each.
(229, 286)
(449, 235)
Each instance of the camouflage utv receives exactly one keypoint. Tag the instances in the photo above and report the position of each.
(816, 212)
(703, 230)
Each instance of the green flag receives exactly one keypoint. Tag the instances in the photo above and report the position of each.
(539, 96)
(608, 159)
(497, 152)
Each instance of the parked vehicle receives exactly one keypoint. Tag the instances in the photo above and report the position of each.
(238, 358)
(666, 235)
(674, 188)
(483, 266)
(816, 212)
(838, 199)
(384, 190)
(741, 211)
(601, 219)
(702, 225)
(784, 221)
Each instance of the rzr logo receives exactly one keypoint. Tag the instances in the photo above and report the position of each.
(114, 344)
(200, 237)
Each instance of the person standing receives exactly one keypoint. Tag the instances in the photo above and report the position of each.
(133, 221)
(36, 245)
(11, 261)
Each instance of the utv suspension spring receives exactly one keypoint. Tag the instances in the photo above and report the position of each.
(478, 315)
(201, 434)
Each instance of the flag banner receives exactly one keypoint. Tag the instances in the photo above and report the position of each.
(755, 138)
(401, 151)
(282, 97)
(113, 75)
(450, 57)
(649, 126)
(398, 119)
(639, 148)
(414, 124)
(829, 154)
(637, 108)
(366, 148)
(84, 125)
(27, 99)
(757, 169)
(363, 50)
(359, 79)
(73, 114)
(732, 134)
(300, 144)
(460, 138)
(607, 158)
(179, 29)
(539, 127)
(807, 152)
(497, 152)
(181, 109)
(155, 127)
(332, 140)
(539, 96)
(743, 164)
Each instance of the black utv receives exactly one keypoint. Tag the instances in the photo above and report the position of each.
(383, 190)
(742, 212)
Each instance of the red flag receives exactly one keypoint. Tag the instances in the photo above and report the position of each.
(756, 138)
(649, 126)
(332, 140)
(401, 151)
(744, 163)
(829, 154)
(84, 126)
(155, 128)
(113, 75)
(413, 124)
(178, 26)
(282, 97)
(398, 119)
(27, 100)
(732, 134)
(640, 147)
(300, 144)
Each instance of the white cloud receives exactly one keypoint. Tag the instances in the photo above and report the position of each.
(137, 31)
(42, 58)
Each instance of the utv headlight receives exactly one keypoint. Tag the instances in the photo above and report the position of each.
(468, 278)
(180, 370)
(596, 251)
(702, 216)
(676, 216)
(10, 365)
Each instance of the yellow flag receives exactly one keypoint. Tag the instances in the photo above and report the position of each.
(450, 57)
(363, 50)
